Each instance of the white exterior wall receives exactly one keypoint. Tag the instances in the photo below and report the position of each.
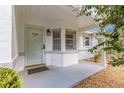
(54, 58)
(48, 39)
(83, 50)
(6, 35)
(58, 58)
(70, 58)
(61, 59)
(21, 22)
(12, 40)
(51, 57)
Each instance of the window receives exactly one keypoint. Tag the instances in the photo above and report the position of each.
(70, 39)
(87, 41)
(56, 39)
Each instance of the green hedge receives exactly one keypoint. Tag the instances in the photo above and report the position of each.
(9, 78)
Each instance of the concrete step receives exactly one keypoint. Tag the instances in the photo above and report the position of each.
(36, 68)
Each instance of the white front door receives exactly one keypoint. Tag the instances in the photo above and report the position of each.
(34, 47)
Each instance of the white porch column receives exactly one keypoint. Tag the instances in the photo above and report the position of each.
(103, 53)
(79, 40)
(62, 39)
(6, 35)
(14, 38)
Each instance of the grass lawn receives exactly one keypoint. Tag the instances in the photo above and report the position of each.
(110, 77)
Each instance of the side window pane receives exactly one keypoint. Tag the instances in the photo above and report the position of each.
(56, 39)
(87, 41)
(70, 39)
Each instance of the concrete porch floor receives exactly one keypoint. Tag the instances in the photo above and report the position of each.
(58, 77)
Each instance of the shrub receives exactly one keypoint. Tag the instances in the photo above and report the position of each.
(9, 78)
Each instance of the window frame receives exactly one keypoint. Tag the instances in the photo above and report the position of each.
(55, 39)
(71, 39)
(84, 41)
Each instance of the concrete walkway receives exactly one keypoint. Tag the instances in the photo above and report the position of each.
(59, 77)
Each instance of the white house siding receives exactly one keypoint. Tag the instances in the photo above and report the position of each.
(83, 50)
(60, 58)
(5, 35)
(70, 58)
(84, 54)
(12, 40)
(21, 31)
(54, 58)
(51, 57)
(21, 22)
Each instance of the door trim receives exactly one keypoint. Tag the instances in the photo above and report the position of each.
(29, 26)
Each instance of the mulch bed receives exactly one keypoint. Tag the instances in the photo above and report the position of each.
(110, 77)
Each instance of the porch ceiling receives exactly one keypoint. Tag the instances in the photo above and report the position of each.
(50, 13)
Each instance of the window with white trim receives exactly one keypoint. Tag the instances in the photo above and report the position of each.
(70, 38)
(87, 41)
(56, 39)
